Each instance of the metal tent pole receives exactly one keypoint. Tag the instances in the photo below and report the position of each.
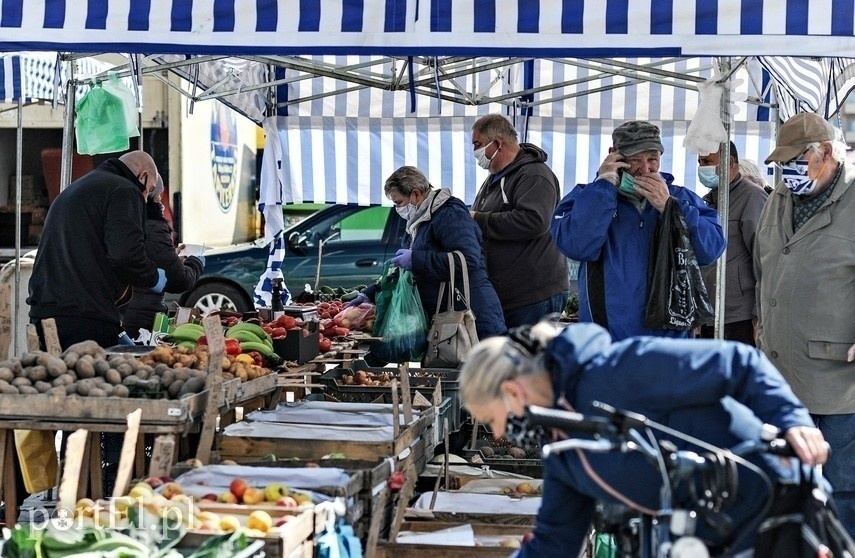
(68, 130)
(17, 287)
(723, 171)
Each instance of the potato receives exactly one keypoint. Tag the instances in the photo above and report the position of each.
(147, 369)
(55, 366)
(144, 374)
(9, 390)
(160, 368)
(28, 390)
(85, 367)
(131, 381)
(90, 348)
(6, 374)
(7, 363)
(191, 386)
(37, 373)
(114, 377)
(115, 360)
(101, 367)
(30, 358)
(125, 369)
(71, 389)
(181, 374)
(168, 377)
(121, 391)
(21, 381)
(57, 390)
(517, 453)
(84, 387)
(97, 392)
(175, 388)
(43, 387)
(70, 359)
(63, 380)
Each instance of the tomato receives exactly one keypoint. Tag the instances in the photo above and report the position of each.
(324, 345)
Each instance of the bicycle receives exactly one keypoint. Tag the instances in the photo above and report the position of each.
(670, 531)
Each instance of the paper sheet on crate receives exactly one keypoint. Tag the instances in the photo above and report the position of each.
(310, 432)
(457, 502)
(203, 480)
(462, 535)
(433, 469)
(324, 412)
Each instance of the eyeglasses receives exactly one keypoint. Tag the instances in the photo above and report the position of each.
(793, 164)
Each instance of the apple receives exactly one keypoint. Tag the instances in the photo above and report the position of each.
(210, 496)
(153, 482)
(227, 462)
(194, 463)
(166, 478)
(227, 498)
(302, 499)
(252, 496)
(273, 492)
(238, 486)
(171, 489)
(229, 523)
(259, 519)
(283, 520)
(287, 502)
(140, 490)
(210, 526)
(122, 503)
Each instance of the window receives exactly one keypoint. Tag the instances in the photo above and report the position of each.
(366, 224)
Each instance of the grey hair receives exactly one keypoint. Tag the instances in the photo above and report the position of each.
(495, 126)
(491, 362)
(158, 189)
(838, 149)
(405, 180)
(752, 172)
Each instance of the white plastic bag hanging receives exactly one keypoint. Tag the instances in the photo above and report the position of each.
(707, 132)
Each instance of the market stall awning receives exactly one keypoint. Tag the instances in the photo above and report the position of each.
(35, 76)
(539, 28)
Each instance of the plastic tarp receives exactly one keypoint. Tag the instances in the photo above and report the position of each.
(35, 76)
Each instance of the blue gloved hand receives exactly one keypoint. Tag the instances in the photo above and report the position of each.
(403, 258)
(161, 281)
(124, 339)
(360, 299)
(201, 259)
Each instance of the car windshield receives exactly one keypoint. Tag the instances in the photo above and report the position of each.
(366, 224)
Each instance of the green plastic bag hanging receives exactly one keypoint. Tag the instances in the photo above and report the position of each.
(101, 122)
(405, 327)
(387, 282)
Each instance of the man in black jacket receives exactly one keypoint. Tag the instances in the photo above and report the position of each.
(91, 254)
(514, 209)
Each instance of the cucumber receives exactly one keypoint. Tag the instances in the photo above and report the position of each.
(261, 348)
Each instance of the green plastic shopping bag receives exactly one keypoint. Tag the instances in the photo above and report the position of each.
(404, 329)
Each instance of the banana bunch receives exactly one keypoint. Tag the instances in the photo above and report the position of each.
(186, 335)
(252, 338)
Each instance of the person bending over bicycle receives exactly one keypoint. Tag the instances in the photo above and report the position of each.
(717, 391)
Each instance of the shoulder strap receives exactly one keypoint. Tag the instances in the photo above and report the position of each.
(465, 271)
(450, 284)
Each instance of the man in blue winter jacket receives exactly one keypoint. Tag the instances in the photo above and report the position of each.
(720, 392)
(608, 226)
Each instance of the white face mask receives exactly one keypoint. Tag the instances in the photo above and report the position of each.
(481, 157)
(708, 176)
(405, 211)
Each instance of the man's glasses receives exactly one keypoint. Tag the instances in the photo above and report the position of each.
(793, 164)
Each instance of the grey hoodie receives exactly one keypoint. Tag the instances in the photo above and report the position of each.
(514, 209)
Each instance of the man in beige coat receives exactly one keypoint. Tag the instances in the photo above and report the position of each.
(804, 260)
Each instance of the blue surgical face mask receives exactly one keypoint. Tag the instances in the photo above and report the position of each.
(708, 176)
(627, 183)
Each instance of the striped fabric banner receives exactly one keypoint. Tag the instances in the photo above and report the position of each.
(346, 160)
(809, 84)
(34, 76)
(539, 28)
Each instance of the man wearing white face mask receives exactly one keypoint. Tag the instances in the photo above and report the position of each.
(746, 202)
(514, 209)
(804, 261)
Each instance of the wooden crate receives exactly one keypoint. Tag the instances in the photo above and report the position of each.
(54, 412)
(242, 448)
(390, 549)
(290, 540)
(246, 391)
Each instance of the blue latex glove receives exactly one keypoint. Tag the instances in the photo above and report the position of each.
(161, 281)
(360, 299)
(403, 258)
(200, 258)
(124, 339)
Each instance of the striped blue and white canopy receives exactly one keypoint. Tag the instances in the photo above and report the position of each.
(539, 28)
(40, 76)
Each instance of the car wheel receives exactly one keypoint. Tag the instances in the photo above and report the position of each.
(217, 296)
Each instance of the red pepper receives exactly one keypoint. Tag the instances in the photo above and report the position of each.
(232, 347)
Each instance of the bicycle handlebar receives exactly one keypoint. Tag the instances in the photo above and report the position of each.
(575, 423)
(601, 445)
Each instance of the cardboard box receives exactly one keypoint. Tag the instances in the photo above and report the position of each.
(299, 346)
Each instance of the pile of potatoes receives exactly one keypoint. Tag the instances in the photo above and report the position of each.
(84, 369)
(196, 359)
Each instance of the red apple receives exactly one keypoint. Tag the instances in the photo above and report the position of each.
(212, 497)
(238, 486)
(154, 482)
(170, 489)
(283, 520)
(287, 502)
